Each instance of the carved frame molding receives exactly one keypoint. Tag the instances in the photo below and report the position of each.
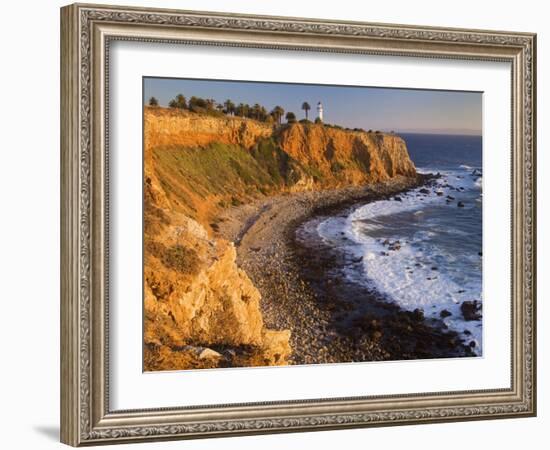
(86, 33)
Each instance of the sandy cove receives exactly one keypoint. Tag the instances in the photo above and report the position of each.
(330, 318)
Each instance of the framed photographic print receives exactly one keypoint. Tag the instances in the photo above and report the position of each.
(275, 224)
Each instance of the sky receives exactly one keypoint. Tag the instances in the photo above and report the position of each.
(385, 109)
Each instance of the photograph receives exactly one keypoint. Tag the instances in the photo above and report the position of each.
(290, 220)
(295, 224)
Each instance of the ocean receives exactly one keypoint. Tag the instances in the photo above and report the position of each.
(420, 249)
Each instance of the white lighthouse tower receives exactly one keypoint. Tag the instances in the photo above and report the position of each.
(320, 111)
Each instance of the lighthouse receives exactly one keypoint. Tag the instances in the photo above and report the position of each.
(320, 111)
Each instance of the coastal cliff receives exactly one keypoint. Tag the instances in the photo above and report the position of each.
(202, 310)
(207, 163)
(169, 127)
(345, 157)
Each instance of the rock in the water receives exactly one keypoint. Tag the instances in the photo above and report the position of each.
(418, 315)
(471, 310)
(394, 245)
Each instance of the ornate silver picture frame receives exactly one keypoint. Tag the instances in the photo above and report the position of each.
(87, 33)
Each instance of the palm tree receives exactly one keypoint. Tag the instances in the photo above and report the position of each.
(229, 107)
(263, 113)
(256, 111)
(306, 107)
(278, 113)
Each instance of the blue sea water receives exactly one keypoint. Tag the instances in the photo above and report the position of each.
(423, 250)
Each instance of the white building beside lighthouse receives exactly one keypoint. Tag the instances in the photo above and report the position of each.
(320, 111)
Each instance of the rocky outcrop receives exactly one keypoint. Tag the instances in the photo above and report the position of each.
(200, 309)
(471, 310)
(344, 157)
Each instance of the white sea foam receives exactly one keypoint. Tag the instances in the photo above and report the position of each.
(419, 274)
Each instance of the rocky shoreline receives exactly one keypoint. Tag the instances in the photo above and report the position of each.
(331, 319)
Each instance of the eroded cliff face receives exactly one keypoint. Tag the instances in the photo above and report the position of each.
(172, 127)
(201, 310)
(343, 157)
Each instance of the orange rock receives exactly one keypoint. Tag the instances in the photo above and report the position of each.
(347, 157)
(179, 127)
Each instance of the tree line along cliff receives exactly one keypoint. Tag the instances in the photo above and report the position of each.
(200, 309)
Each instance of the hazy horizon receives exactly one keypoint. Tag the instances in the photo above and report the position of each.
(401, 110)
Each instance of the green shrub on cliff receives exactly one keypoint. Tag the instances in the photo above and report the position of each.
(336, 167)
(179, 102)
(314, 173)
(290, 117)
(281, 168)
(177, 257)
